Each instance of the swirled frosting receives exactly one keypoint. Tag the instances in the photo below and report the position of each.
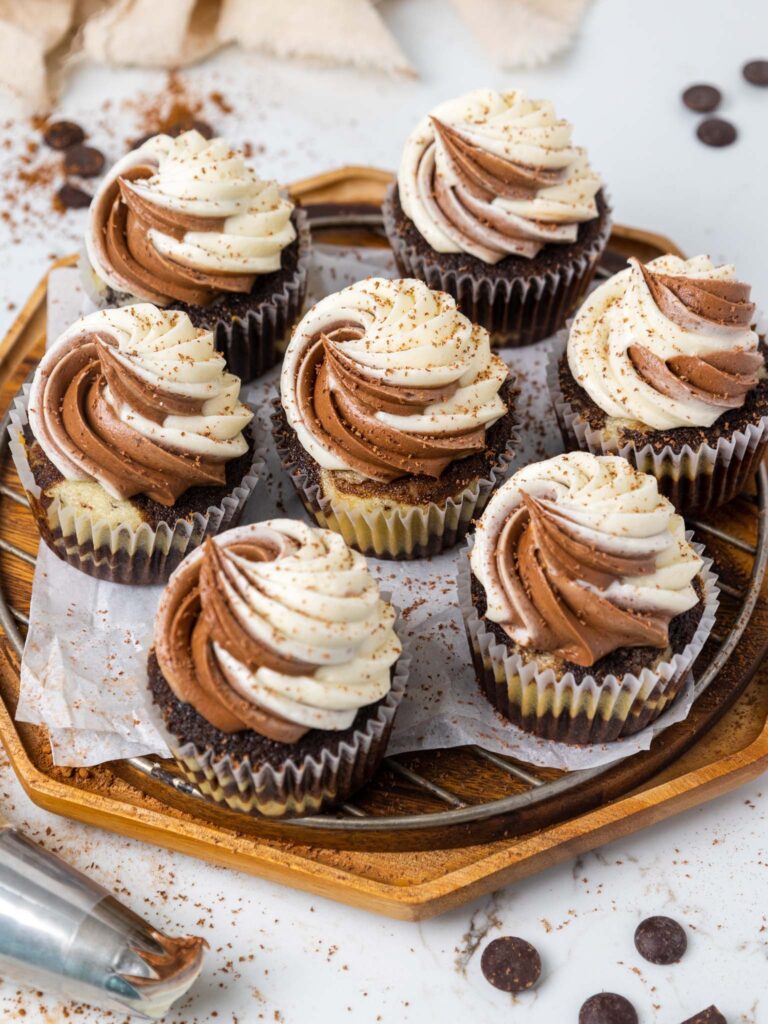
(387, 378)
(494, 174)
(186, 219)
(277, 627)
(667, 344)
(580, 555)
(138, 400)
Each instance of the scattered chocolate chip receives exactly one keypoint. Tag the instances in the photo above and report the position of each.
(84, 161)
(135, 143)
(63, 134)
(188, 124)
(702, 98)
(709, 1016)
(716, 132)
(511, 964)
(72, 197)
(660, 940)
(607, 1008)
(756, 72)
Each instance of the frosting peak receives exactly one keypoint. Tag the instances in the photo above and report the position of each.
(493, 174)
(277, 627)
(580, 555)
(667, 344)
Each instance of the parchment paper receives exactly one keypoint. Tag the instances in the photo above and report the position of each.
(83, 670)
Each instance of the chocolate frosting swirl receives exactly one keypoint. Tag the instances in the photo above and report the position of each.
(668, 344)
(387, 378)
(581, 556)
(137, 400)
(276, 627)
(494, 174)
(185, 219)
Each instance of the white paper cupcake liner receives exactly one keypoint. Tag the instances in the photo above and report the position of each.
(301, 785)
(419, 531)
(560, 708)
(517, 311)
(694, 479)
(120, 553)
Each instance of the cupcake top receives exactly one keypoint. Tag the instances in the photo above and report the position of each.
(494, 174)
(186, 219)
(138, 400)
(387, 378)
(667, 344)
(277, 627)
(580, 555)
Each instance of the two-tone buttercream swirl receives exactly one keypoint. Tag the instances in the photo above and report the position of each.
(387, 378)
(667, 344)
(186, 219)
(138, 400)
(580, 556)
(494, 174)
(277, 627)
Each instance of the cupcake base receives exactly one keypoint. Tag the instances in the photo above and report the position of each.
(520, 301)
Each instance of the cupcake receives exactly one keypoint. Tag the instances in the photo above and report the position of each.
(185, 222)
(584, 601)
(276, 669)
(494, 205)
(663, 366)
(130, 443)
(396, 420)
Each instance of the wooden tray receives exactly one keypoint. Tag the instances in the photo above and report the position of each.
(723, 743)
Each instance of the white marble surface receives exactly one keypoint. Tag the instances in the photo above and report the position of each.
(278, 955)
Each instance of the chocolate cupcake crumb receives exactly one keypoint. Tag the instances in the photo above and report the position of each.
(511, 964)
(607, 1008)
(661, 940)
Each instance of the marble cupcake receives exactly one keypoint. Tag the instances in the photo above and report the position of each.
(396, 421)
(663, 365)
(186, 222)
(276, 669)
(131, 443)
(584, 601)
(495, 205)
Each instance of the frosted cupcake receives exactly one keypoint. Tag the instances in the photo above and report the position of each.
(585, 603)
(186, 222)
(276, 669)
(131, 443)
(396, 420)
(495, 205)
(663, 366)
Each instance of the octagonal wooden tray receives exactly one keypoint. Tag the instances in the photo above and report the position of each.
(723, 743)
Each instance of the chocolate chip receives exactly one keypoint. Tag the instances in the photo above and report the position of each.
(73, 198)
(188, 124)
(709, 1016)
(756, 72)
(511, 964)
(660, 940)
(140, 141)
(702, 98)
(716, 132)
(63, 134)
(607, 1008)
(84, 161)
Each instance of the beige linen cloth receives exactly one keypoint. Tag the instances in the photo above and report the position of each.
(40, 39)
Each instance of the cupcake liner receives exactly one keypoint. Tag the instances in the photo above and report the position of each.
(517, 312)
(251, 344)
(300, 786)
(694, 479)
(121, 554)
(392, 533)
(559, 708)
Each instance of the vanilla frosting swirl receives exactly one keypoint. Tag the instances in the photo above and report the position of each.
(277, 627)
(137, 399)
(387, 378)
(580, 555)
(494, 174)
(186, 219)
(667, 344)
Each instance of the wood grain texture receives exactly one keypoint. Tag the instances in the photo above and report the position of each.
(723, 743)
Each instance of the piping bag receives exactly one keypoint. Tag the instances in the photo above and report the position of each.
(62, 932)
